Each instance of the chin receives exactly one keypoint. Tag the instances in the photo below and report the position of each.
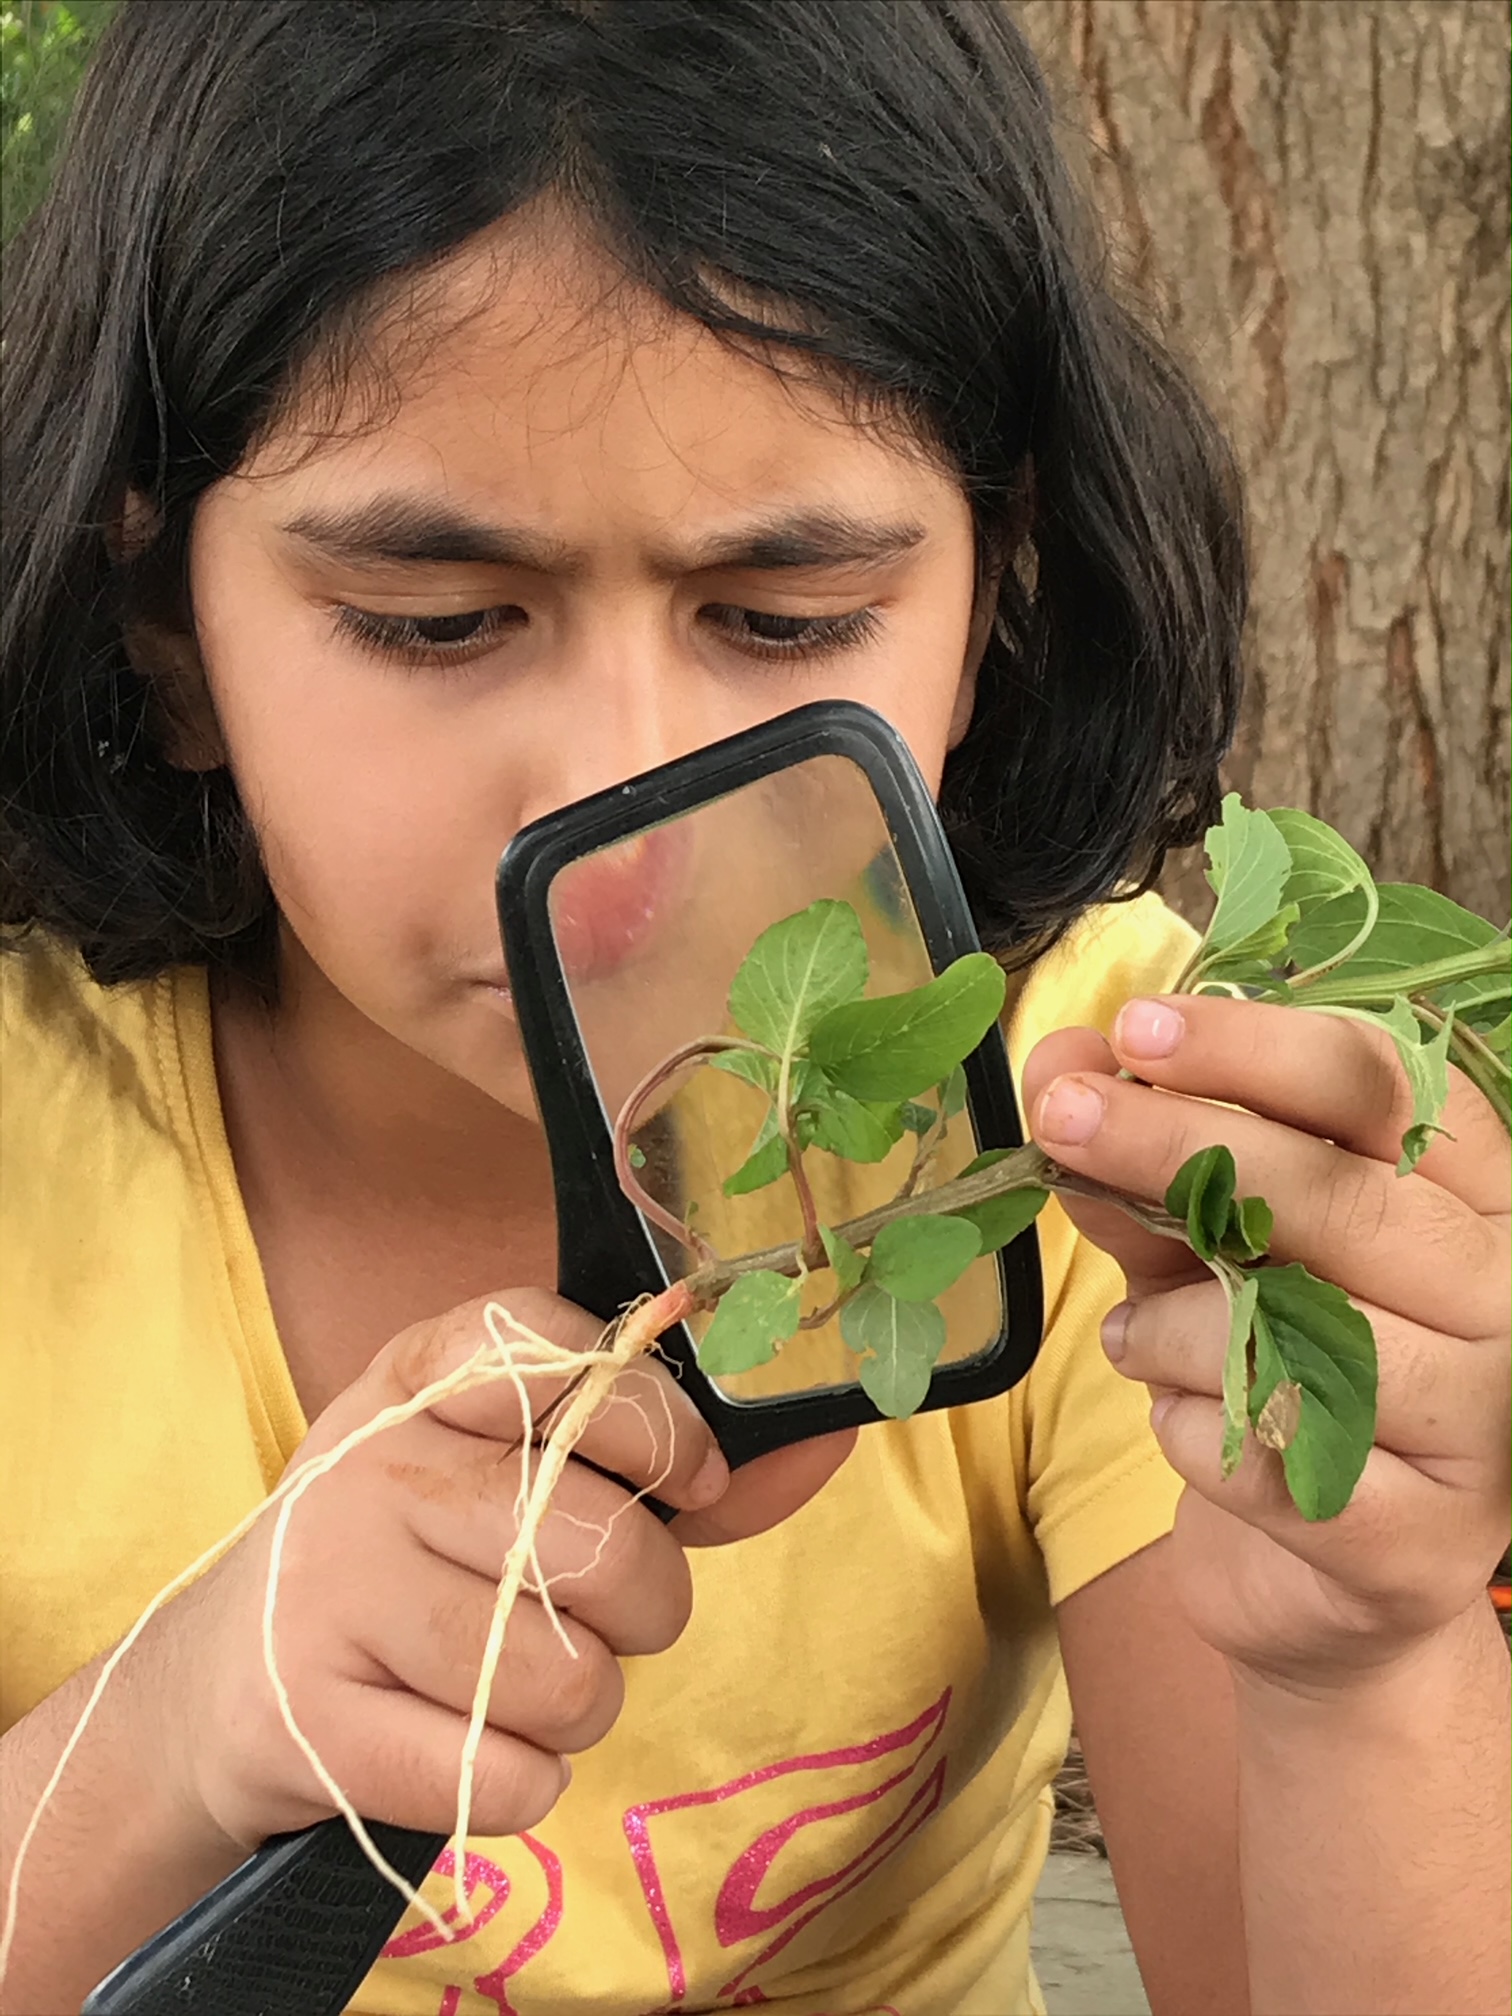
(491, 1059)
(472, 1043)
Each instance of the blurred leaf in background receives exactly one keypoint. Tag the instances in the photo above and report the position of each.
(43, 48)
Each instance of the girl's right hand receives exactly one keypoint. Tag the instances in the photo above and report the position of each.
(387, 1588)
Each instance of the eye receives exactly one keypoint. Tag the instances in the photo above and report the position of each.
(766, 634)
(461, 635)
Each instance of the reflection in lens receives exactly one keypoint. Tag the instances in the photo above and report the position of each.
(651, 932)
(610, 904)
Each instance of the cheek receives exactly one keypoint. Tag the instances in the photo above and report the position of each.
(356, 781)
(920, 680)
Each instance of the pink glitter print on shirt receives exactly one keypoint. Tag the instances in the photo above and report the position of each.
(544, 1929)
(483, 1875)
(737, 1913)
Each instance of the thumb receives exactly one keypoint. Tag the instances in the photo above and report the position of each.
(766, 1491)
(1149, 1262)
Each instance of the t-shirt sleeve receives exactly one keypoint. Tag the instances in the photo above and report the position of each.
(1096, 1486)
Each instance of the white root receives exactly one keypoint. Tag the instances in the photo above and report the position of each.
(604, 1369)
(520, 1357)
(475, 1372)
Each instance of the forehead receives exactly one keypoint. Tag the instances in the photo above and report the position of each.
(529, 366)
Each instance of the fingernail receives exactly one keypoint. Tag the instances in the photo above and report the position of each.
(1070, 1112)
(710, 1481)
(1148, 1029)
(1161, 1408)
(1115, 1330)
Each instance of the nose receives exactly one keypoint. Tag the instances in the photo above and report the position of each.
(622, 702)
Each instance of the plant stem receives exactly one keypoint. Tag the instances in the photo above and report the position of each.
(925, 1150)
(1314, 974)
(819, 1317)
(690, 1053)
(1187, 978)
(1383, 988)
(1025, 1169)
(813, 1247)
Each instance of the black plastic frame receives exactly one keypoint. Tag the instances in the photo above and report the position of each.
(606, 1255)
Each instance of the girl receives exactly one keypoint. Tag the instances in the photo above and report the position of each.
(422, 416)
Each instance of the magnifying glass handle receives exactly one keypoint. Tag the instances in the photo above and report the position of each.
(292, 1932)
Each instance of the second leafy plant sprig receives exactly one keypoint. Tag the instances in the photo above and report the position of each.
(1298, 919)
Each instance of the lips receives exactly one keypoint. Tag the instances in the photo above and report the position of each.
(605, 906)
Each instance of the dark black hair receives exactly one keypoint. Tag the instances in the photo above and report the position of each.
(872, 187)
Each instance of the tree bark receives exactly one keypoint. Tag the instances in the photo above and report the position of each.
(1313, 197)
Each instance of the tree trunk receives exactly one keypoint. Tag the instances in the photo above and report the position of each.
(1313, 194)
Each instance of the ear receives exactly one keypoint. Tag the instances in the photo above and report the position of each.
(977, 639)
(1004, 546)
(163, 650)
(169, 661)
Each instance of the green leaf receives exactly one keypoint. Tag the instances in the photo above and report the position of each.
(766, 1162)
(1250, 864)
(1261, 951)
(805, 1082)
(1426, 1065)
(756, 1313)
(1255, 978)
(636, 1157)
(1218, 1223)
(917, 1259)
(900, 1342)
(767, 1159)
(1251, 1222)
(750, 1065)
(1324, 864)
(953, 1093)
(828, 1118)
(900, 1045)
(796, 972)
(999, 1219)
(1309, 1332)
(1416, 1141)
(1241, 1301)
(1201, 1192)
(849, 1265)
(1482, 1003)
(1498, 1040)
(1415, 927)
(917, 1119)
(859, 1131)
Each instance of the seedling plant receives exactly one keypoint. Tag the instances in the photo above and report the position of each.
(1298, 919)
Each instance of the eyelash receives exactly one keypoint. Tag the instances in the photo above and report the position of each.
(401, 637)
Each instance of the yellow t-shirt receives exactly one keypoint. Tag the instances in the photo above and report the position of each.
(831, 1795)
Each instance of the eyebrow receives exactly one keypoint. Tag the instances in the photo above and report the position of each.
(816, 538)
(400, 530)
(397, 530)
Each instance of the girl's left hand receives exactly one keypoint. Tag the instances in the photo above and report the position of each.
(1322, 1107)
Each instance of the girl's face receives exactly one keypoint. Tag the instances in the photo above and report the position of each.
(583, 538)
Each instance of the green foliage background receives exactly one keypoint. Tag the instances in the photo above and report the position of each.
(44, 45)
